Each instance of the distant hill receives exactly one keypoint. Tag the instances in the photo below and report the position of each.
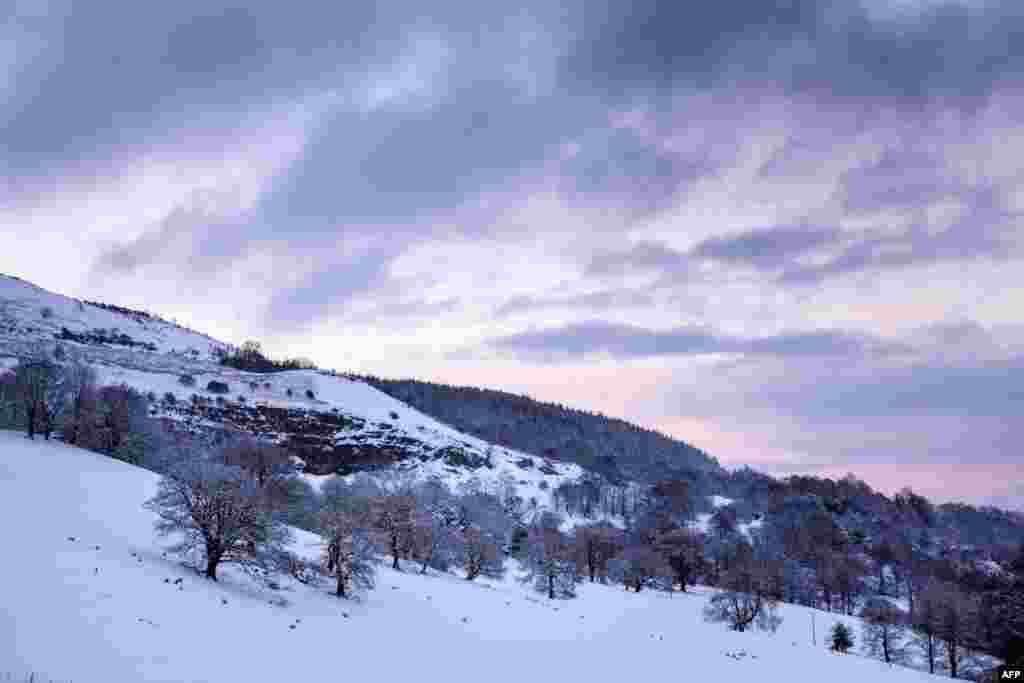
(614, 448)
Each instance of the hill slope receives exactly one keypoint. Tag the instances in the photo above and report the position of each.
(330, 423)
(616, 449)
(89, 597)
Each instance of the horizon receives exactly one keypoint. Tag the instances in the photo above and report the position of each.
(790, 237)
(835, 473)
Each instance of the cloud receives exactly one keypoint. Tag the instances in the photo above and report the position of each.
(766, 247)
(626, 341)
(826, 48)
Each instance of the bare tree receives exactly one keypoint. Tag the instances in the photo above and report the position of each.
(480, 554)
(954, 623)
(746, 598)
(436, 536)
(38, 384)
(10, 404)
(683, 550)
(884, 630)
(219, 514)
(80, 419)
(596, 545)
(263, 461)
(434, 541)
(924, 620)
(641, 566)
(393, 523)
(345, 522)
(551, 561)
(121, 428)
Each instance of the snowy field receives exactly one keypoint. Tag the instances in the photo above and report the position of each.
(87, 596)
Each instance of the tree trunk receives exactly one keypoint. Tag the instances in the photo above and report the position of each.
(75, 421)
(340, 589)
(31, 426)
(551, 587)
(211, 566)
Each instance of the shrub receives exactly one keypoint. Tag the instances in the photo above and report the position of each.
(288, 392)
(215, 387)
(309, 394)
(46, 312)
(840, 639)
(241, 399)
(220, 401)
(187, 381)
(253, 386)
(394, 415)
(170, 398)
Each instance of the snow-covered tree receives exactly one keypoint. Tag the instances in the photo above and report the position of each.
(219, 515)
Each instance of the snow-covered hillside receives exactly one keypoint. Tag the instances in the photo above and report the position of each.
(31, 315)
(327, 418)
(88, 596)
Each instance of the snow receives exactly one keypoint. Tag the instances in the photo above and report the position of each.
(721, 501)
(85, 600)
(24, 331)
(22, 303)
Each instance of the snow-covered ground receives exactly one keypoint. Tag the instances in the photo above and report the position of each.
(87, 596)
(31, 313)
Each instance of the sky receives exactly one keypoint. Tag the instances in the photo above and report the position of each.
(787, 232)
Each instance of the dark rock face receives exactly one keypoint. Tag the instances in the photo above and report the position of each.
(103, 337)
(326, 442)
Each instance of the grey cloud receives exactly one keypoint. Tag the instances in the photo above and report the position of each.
(765, 247)
(139, 75)
(622, 162)
(189, 239)
(993, 389)
(641, 256)
(900, 178)
(331, 288)
(626, 341)
(987, 231)
(592, 301)
(827, 47)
